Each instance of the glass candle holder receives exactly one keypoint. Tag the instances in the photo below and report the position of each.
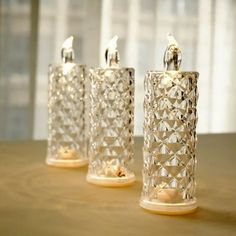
(67, 140)
(170, 117)
(111, 123)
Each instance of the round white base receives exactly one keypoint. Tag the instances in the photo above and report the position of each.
(67, 163)
(111, 181)
(169, 208)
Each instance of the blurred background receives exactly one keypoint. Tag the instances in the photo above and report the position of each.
(32, 32)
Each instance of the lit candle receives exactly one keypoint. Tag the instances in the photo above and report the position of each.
(113, 169)
(111, 122)
(66, 111)
(67, 54)
(169, 195)
(67, 153)
(170, 119)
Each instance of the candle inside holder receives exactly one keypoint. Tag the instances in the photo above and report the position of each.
(113, 169)
(168, 196)
(111, 122)
(67, 153)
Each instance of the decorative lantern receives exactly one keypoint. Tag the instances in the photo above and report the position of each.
(111, 122)
(67, 140)
(170, 117)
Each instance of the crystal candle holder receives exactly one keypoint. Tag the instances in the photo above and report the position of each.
(67, 140)
(170, 117)
(111, 124)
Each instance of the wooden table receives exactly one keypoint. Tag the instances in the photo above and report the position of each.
(39, 200)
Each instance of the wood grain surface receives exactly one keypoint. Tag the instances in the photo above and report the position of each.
(36, 199)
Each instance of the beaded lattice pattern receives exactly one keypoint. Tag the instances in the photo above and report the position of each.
(66, 111)
(170, 135)
(111, 122)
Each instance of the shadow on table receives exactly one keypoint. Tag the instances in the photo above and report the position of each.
(214, 216)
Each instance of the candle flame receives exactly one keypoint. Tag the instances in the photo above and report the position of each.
(67, 44)
(112, 45)
(171, 40)
(67, 51)
(172, 57)
(112, 54)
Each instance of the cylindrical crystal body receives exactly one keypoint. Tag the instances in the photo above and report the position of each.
(67, 139)
(170, 118)
(111, 126)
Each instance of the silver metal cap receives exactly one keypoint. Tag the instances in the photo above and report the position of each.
(67, 51)
(172, 56)
(112, 56)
